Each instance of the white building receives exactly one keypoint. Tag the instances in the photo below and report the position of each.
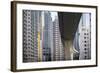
(84, 31)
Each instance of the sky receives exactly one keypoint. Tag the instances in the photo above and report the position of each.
(53, 15)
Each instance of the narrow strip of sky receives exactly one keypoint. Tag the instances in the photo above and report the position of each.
(53, 15)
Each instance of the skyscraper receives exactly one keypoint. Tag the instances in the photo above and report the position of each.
(57, 44)
(28, 48)
(31, 36)
(83, 37)
(47, 36)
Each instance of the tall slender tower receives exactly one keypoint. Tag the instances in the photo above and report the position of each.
(47, 36)
(58, 47)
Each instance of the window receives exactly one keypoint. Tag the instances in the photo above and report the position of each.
(85, 45)
(84, 41)
(84, 33)
(85, 57)
(83, 29)
(85, 52)
(85, 48)
(84, 37)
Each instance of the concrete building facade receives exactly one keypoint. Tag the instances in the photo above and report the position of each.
(31, 36)
(83, 37)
